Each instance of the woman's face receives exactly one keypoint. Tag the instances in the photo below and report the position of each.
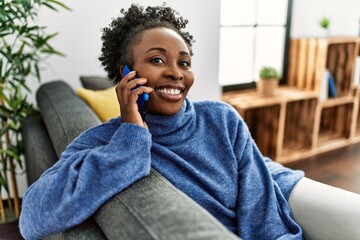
(164, 59)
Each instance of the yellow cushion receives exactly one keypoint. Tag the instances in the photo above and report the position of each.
(103, 102)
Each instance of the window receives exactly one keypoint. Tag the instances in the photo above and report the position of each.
(253, 33)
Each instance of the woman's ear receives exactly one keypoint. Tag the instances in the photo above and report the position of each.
(122, 70)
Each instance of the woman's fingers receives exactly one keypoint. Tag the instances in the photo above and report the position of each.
(127, 78)
(133, 84)
(133, 88)
(134, 94)
(128, 91)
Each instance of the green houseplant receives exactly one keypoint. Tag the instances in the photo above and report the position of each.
(23, 46)
(269, 80)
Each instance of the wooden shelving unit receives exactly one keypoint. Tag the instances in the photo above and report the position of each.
(295, 124)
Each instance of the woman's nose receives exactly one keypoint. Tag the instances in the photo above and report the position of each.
(173, 73)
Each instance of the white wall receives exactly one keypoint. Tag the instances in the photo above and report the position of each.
(79, 36)
(344, 17)
(80, 32)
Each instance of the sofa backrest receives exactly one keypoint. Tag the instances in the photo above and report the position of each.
(64, 114)
(96, 82)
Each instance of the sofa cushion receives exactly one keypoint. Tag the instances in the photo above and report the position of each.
(96, 82)
(88, 230)
(65, 115)
(103, 102)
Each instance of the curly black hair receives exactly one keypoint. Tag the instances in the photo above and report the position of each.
(125, 31)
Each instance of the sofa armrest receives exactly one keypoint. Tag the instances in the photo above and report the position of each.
(39, 152)
(153, 208)
(325, 212)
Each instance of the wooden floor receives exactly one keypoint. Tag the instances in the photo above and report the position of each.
(339, 168)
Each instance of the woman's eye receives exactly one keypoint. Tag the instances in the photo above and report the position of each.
(157, 60)
(185, 64)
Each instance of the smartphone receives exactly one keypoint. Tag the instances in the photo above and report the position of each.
(143, 99)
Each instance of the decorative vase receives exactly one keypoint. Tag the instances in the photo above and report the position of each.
(267, 86)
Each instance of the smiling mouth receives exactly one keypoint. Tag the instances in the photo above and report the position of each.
(169, 94)
(169, 91)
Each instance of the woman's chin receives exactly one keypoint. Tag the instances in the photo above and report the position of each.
(165, 108)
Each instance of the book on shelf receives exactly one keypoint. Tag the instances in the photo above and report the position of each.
(327, 86)
(332, 86)
(324, 86)
(357, 72)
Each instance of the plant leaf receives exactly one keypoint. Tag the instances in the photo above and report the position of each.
(60, 4)
(3, 183)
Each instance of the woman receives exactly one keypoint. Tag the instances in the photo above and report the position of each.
(203, 148)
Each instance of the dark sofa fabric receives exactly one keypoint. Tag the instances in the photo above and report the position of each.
(96, 82)
(63, 117)
(46, 137)
(39, 151)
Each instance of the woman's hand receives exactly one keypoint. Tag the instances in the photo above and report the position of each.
(127, 97)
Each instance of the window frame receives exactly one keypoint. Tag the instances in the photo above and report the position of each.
(283, 80)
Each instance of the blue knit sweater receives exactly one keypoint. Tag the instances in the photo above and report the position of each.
(205, 150)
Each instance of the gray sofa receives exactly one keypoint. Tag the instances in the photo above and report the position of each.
(324, 212)
(63, 117)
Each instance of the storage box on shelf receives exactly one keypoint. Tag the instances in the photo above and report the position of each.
(299, 131)
(334, 126)
(274, 122)
(309, 57)
(261, 115)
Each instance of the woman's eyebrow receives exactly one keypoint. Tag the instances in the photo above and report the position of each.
(160, 49)
(156, 49)
(184, 53)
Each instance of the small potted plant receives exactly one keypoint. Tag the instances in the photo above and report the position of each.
(325, 24)
(269, 81)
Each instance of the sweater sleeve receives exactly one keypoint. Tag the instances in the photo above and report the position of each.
(285, 177)
(262, 210)
(95, 167)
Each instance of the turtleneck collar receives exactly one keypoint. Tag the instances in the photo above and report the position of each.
(175, 128)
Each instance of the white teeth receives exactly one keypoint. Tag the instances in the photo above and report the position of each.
(171, 91)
